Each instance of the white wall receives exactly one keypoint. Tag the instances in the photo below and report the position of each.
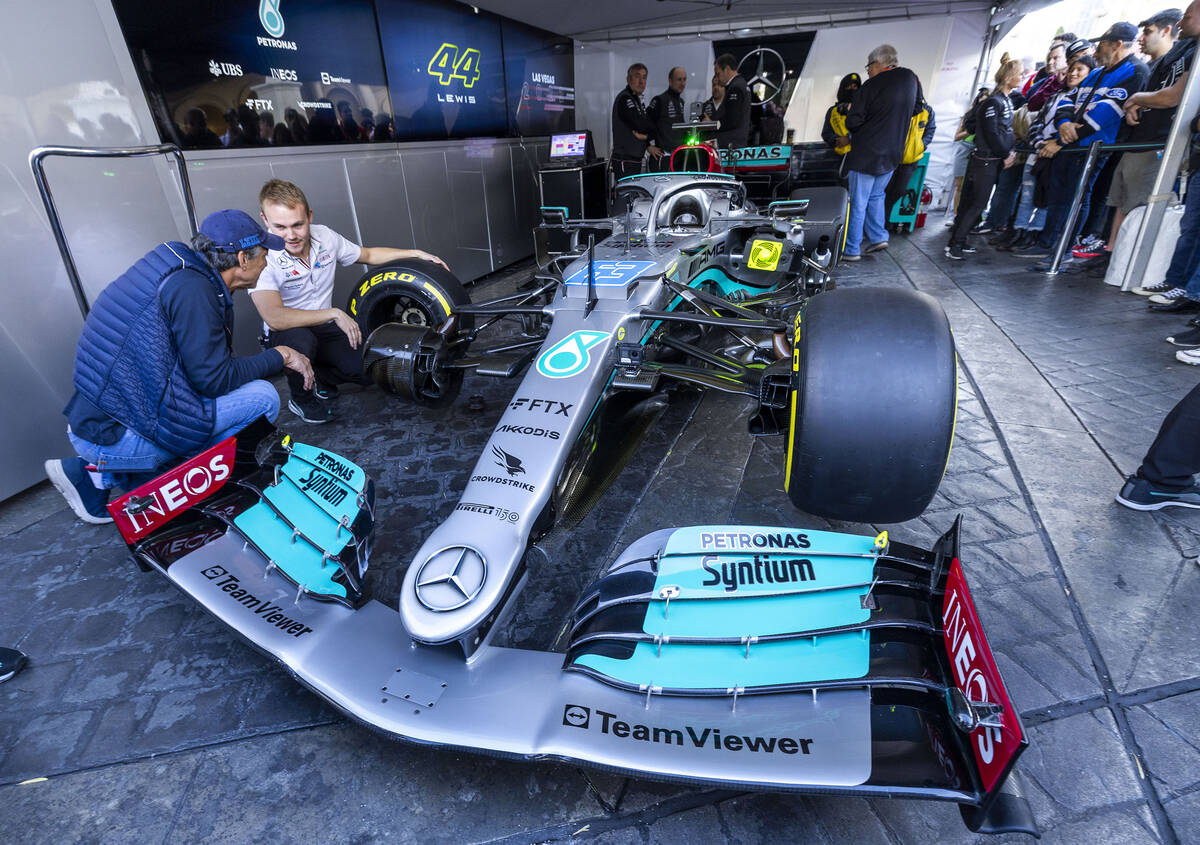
(943, 52)
(600, 74)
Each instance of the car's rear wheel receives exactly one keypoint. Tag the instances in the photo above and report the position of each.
(873, 402)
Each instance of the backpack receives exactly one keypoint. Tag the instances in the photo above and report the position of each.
(914, 144)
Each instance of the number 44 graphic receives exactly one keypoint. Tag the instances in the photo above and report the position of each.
(449, 64)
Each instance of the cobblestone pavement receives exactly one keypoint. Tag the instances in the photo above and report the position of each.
(151, 723)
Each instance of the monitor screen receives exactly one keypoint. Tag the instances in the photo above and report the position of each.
(569, 146)
(231, 73)
(539, 69)
(445, 69)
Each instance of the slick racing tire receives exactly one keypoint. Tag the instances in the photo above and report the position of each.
(873, 401)
(410, 292)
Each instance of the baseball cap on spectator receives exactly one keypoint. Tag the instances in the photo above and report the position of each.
(1167, 17)
(1079, 45)
(1120, 31)
(232, 230)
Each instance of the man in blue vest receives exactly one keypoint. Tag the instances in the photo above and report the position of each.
(155, 378)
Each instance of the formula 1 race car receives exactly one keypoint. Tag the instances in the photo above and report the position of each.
(762, 657)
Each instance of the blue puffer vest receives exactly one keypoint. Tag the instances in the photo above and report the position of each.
(126, 363)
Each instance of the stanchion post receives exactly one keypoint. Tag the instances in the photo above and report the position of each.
(1160, 194)
(1064, 240)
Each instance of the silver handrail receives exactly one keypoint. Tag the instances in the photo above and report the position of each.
(38, 156)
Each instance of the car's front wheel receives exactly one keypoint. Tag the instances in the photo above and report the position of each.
(873, 401)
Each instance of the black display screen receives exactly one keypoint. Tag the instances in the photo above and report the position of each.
(244, 73)
(237, 73)
(539, 69)
(445, 69)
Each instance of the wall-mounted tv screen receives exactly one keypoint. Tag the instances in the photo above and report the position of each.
(445, 69)
(539, 67)
(232, 73)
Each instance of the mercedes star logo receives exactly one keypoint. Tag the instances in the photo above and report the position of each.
(451, 578)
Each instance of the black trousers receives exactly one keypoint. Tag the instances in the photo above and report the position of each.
(1174, 456)
(625, 167)
(981, 177)
(334, 362)
(895, 189)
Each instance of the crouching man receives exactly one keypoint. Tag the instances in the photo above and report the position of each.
(295, 297)
(155, 378)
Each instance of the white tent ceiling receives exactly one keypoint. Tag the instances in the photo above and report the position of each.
(614, 20)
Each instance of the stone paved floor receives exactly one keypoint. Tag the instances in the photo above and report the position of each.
(150, 723)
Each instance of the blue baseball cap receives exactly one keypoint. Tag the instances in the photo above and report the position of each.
(232, 230)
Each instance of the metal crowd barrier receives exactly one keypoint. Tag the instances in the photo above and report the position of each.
(38, 156)
(1093, 152)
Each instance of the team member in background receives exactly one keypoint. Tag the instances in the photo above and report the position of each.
(294, 296)
(155, 378)
(834, 131)
(710, 107)
(993, 151)
(664, 110)
(734, 113)
(631, 127)
(923, 126)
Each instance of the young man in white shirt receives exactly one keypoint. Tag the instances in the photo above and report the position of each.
(294, 296)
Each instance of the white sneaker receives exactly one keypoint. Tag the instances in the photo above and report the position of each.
(1189, 356)
(1150, 290)
(1172, 295)
(949, 220)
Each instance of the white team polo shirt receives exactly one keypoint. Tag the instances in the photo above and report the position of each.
(308, 285)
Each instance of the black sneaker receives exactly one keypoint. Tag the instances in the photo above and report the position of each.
(310, 410)
(1188, 338)
(1151, 290)
(981, 229)
(11, 662)
(875, 247)
(1172, 301)
(1139, 494)
(969, 248)
(70, 477)
(954, 252)
(1032, 251)
(326, 392)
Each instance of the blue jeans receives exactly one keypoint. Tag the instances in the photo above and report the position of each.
(866, 210)
(1065, 172)
(1004, 198)
(1185, 261)
(1028, 216)
(133, 460)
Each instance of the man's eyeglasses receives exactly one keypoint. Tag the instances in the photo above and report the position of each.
(868, 66)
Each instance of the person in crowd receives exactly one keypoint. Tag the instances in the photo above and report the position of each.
(878, 122)
(348, 127)
(993, 151)
(384, 129)
(1048, 69)
(1030, 218)
(710, 107)
(834, 131)
(282, 136)
(266, 127)
(665, 110)
(248, 118)
(232, 137)
(1134, 175)
(631, 126)
(734, 113)
(1166, 477)
(198, 136)
(1093, 112)
(297, 124)
(964, 143)
(294, 297)
(155, 378)
(902, 175)
(366, 124)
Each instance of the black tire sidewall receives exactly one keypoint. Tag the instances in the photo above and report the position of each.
(874, 401)
(427, 284)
